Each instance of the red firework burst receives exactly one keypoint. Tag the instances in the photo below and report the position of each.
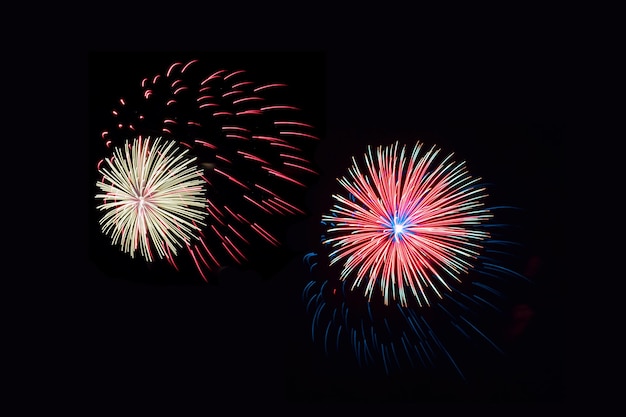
(247, 140)
(409, 223)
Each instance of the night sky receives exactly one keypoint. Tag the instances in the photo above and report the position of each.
(246, 337)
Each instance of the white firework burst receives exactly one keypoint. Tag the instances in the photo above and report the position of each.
(153, 196)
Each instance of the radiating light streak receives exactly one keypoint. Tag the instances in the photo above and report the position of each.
(247, 112)
(257, 204)
(279, 107)
(291, 133)
(232, 92)
(169, 70)
(187, 65)
(253, 157)
(246, 99)
(265, 87)
(231, 178)
(241, 84)
(232, 74)
(292, 123)
(270, 238)
(299, 167)
(283, 176)
(216, 74)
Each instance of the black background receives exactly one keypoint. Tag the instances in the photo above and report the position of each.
(500, 103)
(248, 337)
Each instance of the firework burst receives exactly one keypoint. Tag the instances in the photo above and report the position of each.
(408, 224)
(419, 231)
(153, 197)
(248, 142)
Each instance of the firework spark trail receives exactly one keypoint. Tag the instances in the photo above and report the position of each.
(395, 338)
(153, 195)
(248, 141)
(412, 226)
(392, 338)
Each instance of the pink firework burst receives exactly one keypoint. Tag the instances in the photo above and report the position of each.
(410, 223)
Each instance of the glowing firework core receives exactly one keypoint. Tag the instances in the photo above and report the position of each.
(399, 227)
(414, 225)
